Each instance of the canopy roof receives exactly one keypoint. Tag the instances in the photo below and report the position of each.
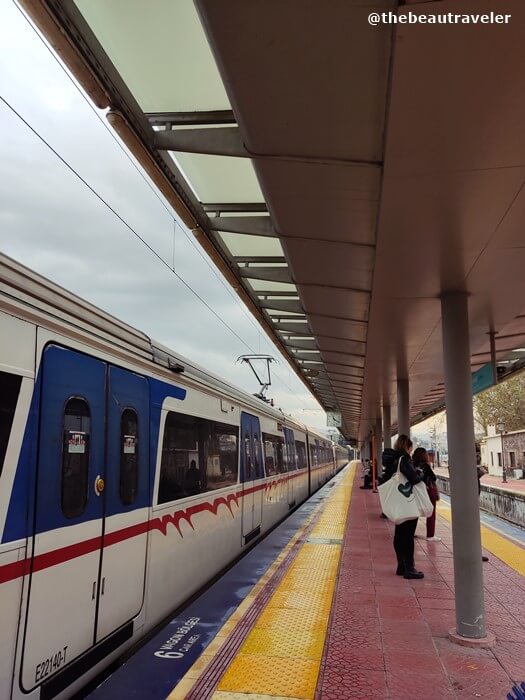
(341, 175)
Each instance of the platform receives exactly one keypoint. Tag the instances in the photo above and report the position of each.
(329, 618)
(512, 485)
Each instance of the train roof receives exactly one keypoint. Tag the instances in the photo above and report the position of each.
(34, 297)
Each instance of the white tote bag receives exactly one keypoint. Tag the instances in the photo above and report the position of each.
(401, 501)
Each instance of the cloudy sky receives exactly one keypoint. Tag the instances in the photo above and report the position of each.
(52, 223)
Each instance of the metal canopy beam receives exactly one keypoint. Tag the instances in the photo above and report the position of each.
(269, 274)
(308, 356)
(250, 225)
(345, 386)
(269, 259)
(289, 318)
(235, 207)
(302, 344)
(276, 293)
(225, 141)
(344, 354)
(301, 328)
(283, 305)
(353, 383)
(218, 116)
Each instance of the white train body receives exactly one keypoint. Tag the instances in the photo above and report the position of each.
(125, 483)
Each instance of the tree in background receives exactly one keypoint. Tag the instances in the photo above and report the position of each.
(503, 403)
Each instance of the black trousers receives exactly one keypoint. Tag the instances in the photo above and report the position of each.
(404, 542)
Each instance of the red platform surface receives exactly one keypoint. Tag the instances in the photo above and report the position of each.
(388, 636)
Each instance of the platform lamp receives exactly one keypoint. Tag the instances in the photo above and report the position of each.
(500, 427)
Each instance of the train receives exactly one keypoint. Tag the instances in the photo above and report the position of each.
(129, 478)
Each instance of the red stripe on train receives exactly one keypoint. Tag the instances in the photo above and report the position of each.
(16, 569)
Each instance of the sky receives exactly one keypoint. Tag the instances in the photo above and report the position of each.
(52, 223)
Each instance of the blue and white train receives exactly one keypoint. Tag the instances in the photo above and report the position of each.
(129, 477)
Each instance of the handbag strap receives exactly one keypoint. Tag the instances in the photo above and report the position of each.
(399, 464)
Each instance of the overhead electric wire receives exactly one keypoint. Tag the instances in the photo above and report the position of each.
(137, 168)
(127, 225)
(153, 190)
(121, 219)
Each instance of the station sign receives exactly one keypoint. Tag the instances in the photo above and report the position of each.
(482, 379)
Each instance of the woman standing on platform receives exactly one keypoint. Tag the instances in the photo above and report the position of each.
(404, 532)
(421, 460)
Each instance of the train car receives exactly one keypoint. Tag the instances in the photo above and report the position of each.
(129, 477)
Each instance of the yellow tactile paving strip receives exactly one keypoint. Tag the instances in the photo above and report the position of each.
(182, 689)
(506, 550)
(281, 656)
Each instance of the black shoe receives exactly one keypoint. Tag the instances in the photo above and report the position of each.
(484, 558)
(400, 571)
(412, 573)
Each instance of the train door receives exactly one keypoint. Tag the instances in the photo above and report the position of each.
(251, 469)
(316, 454)
(68, 522)
(309, 461)
(289, 446)
(123, 568)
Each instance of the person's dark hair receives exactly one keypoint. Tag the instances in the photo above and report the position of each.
(403, 443)
(420, 455)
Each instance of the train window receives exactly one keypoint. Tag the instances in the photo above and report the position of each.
(300, 449)
(9, 390)
(75, 457)
(222, 457)
(270, 457)
(129, 473)
(247, 458)
(292, 456)
(258, 466)
(273, 454)
(314, 451)
(198, 455)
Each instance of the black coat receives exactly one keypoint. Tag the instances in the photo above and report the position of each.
(428, 475)
(390, 462)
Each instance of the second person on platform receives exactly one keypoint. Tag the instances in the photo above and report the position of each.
(421, 460)
(404, 532)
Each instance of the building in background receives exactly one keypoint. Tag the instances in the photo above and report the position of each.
(506, 449)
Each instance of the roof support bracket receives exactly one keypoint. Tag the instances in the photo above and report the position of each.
(251, 225)
(290, 306)
(271, 274)
(223, 141)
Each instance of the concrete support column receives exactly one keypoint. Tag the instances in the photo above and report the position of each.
(403, 407)
(373, 461)
(468, 575)
(492, 336)
(378, 450)
(386, 426)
